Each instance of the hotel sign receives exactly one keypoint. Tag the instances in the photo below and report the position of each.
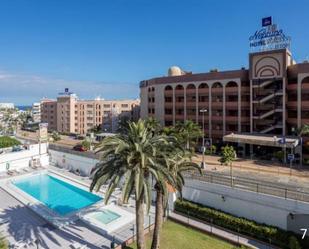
(269, 37)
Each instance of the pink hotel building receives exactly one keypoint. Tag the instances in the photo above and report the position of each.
(68, 114)
(270, 98)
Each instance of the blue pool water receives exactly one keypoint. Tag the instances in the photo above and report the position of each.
(105, 216)
(60, 196)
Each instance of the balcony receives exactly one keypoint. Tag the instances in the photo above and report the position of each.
(305, 86)
(203, 91)
(245, 89)
(217, 118)
(244, 119)
(305, 105)
(168, 116)
(179, 92)
(191, 117)
(180, 104)
(217, 91)
(292, 87)
(231, 90)
(216, 132)
(231, 119)
(191, 104)
(179, 117)
(292, 104)
(305, 120)
(231, 104)
(292, 121)
(217, 105)
(168, 104)
(191, 91)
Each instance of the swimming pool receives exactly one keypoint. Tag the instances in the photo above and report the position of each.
(60, 196)
(104, 216)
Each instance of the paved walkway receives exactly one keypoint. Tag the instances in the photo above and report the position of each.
(252, 243)
(260, 171)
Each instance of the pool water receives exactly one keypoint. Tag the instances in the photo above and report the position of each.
(104, 216)
(60, 196)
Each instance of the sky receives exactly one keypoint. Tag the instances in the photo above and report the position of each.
(104, 48)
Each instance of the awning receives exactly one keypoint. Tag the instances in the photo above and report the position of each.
(263, 140)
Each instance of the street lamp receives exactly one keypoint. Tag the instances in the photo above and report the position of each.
(203, 111)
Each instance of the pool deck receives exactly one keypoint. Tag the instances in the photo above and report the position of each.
(18, 223)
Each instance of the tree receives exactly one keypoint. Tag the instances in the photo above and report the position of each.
(86, 144)
(132, 157)
(304, 130)
(178, 161)
(6, 142)
(228, 155)
(153, 124)
(189, 132)
(55, 136)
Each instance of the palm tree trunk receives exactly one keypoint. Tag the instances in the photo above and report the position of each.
(139, 209)
(158, 220)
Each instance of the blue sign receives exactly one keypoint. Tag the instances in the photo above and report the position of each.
(266, 21)
(66, 90)
(269, 37)
(291, 157)
(282, 141)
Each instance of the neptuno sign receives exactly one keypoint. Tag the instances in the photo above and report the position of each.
(269, 38)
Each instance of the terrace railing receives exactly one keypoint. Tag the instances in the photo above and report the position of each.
(262, 187)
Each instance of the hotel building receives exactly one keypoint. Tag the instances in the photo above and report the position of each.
(270, 98)
(68, 114)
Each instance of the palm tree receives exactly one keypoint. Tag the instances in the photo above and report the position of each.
(189, 132)
(153, 124)
(178, 162)
(132, 157)
(304, 130)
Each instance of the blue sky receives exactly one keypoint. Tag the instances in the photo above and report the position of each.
(104, 48)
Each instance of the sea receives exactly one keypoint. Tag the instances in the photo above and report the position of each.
(23, 107)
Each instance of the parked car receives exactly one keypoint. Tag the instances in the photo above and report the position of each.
(17, 148)
(79, 147)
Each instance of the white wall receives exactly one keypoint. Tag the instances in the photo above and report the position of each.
(254, 206)
(71, 161)
(21, 159)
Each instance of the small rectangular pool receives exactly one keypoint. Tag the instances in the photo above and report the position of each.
(58, 195)
(104, 216)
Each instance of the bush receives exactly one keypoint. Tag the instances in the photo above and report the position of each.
(212, 150)
(55, 136)
(86, 144)
(293, 243)
(244, 226)
(279, 155)
(6, 142)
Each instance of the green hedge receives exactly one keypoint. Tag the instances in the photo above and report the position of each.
(6, 142)
(269, 234)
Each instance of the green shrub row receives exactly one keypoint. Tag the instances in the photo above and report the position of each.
(269, 234)
(6, 142)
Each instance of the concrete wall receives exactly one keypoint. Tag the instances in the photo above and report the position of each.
(254, 206)
(72, 162)
(22, 159)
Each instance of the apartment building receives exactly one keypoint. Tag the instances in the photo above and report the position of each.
(69, 114)
(36, 112)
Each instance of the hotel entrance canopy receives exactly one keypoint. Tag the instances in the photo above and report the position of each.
(262, 140)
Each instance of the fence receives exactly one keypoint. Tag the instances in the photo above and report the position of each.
(251, 185)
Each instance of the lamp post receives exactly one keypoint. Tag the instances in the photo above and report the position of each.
(203, 111)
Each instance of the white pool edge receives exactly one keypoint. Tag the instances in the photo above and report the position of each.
(40, 208)
(124, 219)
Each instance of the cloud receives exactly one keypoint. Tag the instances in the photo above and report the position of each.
(26, 89)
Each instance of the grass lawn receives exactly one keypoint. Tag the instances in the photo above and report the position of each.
(177, 236)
